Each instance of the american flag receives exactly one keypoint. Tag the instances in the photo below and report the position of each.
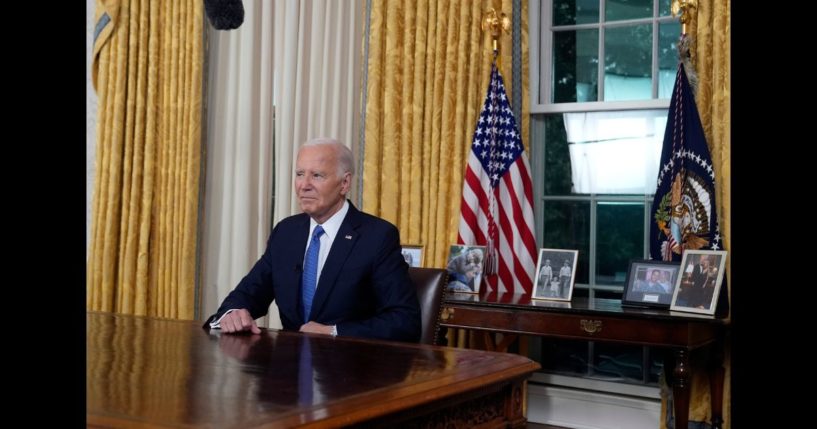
(497, 196)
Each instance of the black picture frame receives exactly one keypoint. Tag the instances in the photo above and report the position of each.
(650, 283)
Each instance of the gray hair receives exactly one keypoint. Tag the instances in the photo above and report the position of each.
(346, 161)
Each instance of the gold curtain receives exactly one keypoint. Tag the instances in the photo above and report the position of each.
(428, 69)
(147, 70)
(710, 52)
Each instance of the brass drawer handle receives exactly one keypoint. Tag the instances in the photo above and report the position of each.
(447, 314)
(591, 326)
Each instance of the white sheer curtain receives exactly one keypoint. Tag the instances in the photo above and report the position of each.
(615, 152)
(300, 59)
(318, 62)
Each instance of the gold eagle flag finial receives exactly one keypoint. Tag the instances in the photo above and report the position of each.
(683, 8)
(495, 22)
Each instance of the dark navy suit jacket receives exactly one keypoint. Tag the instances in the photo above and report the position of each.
(364, 287)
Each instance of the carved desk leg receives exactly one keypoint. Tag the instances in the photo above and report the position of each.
(716, 375)
(681, 387)
(515, 405)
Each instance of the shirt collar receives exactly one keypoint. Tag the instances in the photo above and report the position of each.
(332, 225)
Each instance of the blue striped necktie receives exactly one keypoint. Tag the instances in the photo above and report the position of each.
(309, 280)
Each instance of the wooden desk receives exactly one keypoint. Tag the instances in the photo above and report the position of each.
(601, 320)
(144, 372)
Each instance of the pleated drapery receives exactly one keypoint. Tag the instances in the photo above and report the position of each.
(428, 68)
(147, 71)
(710, 51)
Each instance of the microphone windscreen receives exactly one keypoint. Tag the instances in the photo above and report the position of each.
(224, 14)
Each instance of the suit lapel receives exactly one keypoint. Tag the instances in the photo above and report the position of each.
(338, 253)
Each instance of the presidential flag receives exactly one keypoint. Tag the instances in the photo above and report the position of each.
(497, 196)
(683, 210)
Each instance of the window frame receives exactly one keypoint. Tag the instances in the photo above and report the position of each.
(541, 31)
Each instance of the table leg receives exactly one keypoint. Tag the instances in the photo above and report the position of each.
(716, 376)
(681, 380)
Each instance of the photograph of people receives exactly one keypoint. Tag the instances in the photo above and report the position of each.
(412, 254)
(545, 275)
(465, 268)
(666, 281)
(700, 281)
(555, 282)
(652, 284)
(564, 277)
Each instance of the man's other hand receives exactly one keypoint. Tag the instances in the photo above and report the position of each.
(316, 328)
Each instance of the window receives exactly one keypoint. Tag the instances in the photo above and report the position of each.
(602, 73)
(601, 76)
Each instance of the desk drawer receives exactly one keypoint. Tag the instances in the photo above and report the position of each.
(654, 332)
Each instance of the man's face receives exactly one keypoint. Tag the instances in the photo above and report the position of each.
(655, 276)
(320, 190)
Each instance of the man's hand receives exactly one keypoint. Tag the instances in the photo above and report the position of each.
(238, 321)
(316, 328)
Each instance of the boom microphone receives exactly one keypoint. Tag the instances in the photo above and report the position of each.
(224, 14)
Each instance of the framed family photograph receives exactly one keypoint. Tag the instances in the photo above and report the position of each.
(555, 274)
(650, 283)
(464, 268)
(413, 255)
(699, 282)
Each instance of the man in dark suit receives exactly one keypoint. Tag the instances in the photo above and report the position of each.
(700, 276)
(359, 280)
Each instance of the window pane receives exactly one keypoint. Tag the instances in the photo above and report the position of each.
(628, 63)
(656, 362)
(605, 294)
(668, 34)
(570, 12)
(567, 227)
(564, 356)
(618, 362)
(575, 65)
(557, 157)
(610, 152)
(617, 10)
(664, 7)
(619, 238)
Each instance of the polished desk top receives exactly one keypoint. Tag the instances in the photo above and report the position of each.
(577, 306)
(156, 372)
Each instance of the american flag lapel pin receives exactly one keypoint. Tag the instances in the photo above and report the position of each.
(348, 237)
